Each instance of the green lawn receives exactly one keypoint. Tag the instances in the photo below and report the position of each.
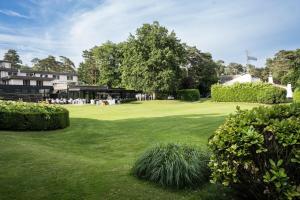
(92, 158)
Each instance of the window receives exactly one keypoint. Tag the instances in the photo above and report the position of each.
(39, 83)
(69, 78)
(56, 76)
(26, 82)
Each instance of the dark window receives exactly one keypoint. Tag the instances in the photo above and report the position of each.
(9, 73)
(69, 78)
(39, 83)
(56, 76)
(26, 82)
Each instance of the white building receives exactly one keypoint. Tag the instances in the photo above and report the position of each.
(244, 78)
(25, 82)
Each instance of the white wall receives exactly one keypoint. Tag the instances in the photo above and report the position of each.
(47, 83)
(3, 74)
(33, 82)
(15, 82)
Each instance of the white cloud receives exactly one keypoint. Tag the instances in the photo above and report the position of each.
(13, 14)
(224, 28)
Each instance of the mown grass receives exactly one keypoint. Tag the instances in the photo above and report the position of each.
(92, 158)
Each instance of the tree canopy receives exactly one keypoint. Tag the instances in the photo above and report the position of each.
(152, 59)
(50, 64)
(285, 66)
(13, 57)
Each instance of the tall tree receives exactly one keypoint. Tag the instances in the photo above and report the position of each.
(285, 66)
(108, 60)
(67, 64)
(152, 60)
(202, 70)
(13, 57)
(88, 72)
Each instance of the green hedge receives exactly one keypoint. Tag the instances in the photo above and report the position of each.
(30, 116)
(258, 152)
(296, 95)
(188, 95)
(248, 92)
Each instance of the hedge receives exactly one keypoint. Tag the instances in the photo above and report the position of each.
(30, 116)
(258, 152)
(188, 95)
(296, 95)
(248, 92)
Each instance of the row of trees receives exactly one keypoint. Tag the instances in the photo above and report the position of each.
(153, 60)
(50, 63)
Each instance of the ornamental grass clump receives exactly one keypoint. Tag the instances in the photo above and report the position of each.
(258, 152)
(173, 165)
(32, 116)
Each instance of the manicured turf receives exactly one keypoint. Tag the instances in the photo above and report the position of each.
(92, 158)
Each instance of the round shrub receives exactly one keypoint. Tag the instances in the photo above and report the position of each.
(173, 165)
(296, 95)
(30, 116)
(248, 92)
(188, 95)
(258, 152)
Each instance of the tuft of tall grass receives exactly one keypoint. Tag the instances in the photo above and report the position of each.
(173, 165)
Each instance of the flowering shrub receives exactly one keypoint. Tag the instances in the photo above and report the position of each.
(32, 116)
(258, 152)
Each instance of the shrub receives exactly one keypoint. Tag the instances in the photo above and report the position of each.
(296, 95)
(173, 165)
(248, 92)
(29, 116)
(258, 152)
(188, 95)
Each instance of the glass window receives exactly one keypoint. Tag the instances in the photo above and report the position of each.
(39, 83)
(26, 82)
(69, 78)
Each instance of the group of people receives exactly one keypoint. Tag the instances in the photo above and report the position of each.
(81, 101)
(143, 97)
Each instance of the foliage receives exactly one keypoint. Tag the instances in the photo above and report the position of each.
(234, 69)
(248, 92)
(13, 57)
(296, 95)
(50, 64)
(88, 72)
(28, 116)
(202, 70)
(173, 165)
(257, 152)
(285, 66)
(152, 59)
(188, 95)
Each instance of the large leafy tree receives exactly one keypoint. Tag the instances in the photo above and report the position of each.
(152, 59)
(13, 57)
(202, 70)
(108, 59)
(50, 64)
(285, 66)
(234, 69)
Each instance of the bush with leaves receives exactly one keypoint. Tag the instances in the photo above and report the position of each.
(188, 95)
(248, 92)
(32, 116)
(173, 165)
(296, 95)
(258, 152)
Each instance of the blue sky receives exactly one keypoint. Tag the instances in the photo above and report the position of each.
(38, 28)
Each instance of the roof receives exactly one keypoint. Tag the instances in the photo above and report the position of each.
(4, 61)
(38, 72)
(27, 78)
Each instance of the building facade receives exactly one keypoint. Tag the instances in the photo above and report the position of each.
(30, 85)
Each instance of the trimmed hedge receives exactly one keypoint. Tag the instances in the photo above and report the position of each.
(258, 152)
(30, 116)
(296, 95)
(188, 95)
(248, 92)
(173, 165)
